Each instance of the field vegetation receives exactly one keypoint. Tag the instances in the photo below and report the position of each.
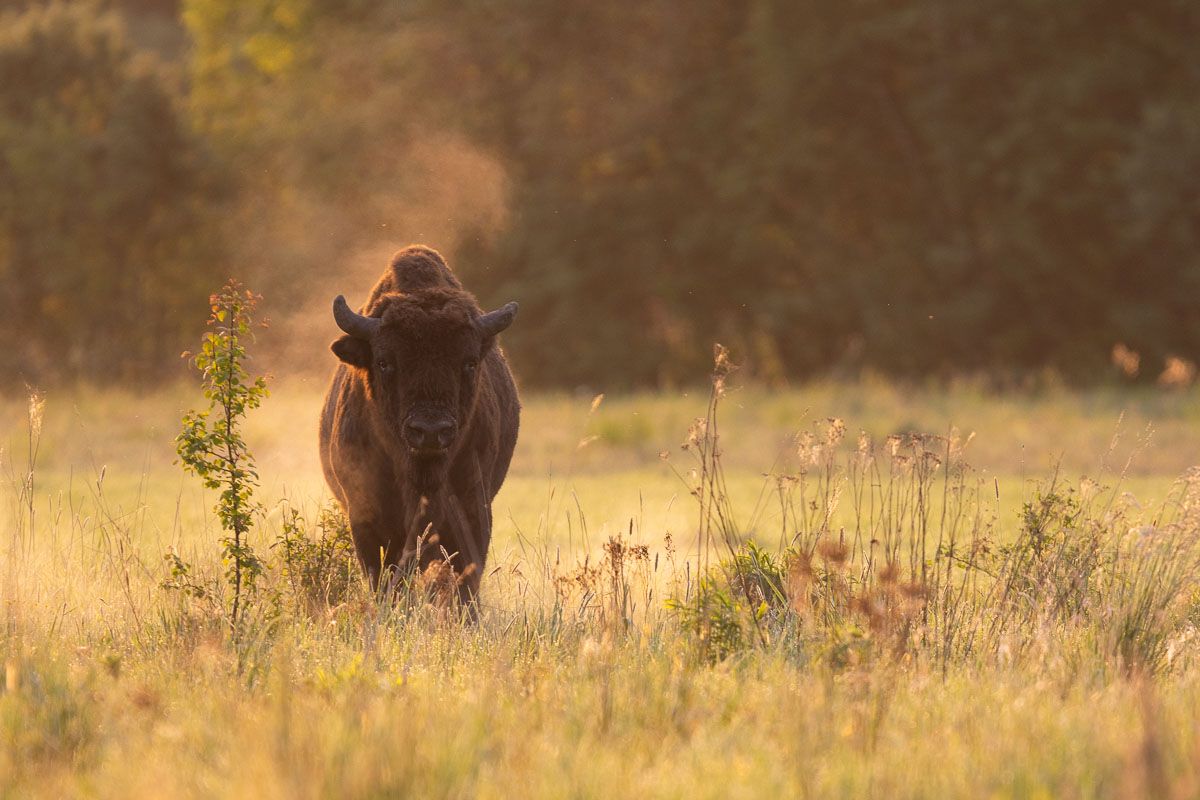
(772, 598)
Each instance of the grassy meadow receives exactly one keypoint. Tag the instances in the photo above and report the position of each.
(798, 607)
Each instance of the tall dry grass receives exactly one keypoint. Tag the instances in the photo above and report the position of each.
(867, 624)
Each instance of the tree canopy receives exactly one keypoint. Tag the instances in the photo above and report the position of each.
(918, 188)
(103, 192)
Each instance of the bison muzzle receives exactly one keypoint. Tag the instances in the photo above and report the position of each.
(420, 421)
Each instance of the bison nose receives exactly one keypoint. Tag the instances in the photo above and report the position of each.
(423, 434)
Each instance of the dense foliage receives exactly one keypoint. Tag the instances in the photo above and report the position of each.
(925, 187)
(104, 202)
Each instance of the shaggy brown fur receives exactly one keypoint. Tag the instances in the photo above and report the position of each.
(428, 370)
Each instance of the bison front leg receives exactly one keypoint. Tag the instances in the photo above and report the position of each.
(482, 529)
(370, 545)
(378, 541)
(473, 523)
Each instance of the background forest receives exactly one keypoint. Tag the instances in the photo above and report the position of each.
(918, 188)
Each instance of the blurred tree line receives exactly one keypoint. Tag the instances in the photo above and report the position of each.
(105, 202)
(919, 187)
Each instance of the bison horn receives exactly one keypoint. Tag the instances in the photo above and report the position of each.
(493, 322)
(356, 325)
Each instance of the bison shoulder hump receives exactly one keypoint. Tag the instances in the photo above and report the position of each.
(418, 267)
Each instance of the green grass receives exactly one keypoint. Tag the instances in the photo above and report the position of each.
(117, 687)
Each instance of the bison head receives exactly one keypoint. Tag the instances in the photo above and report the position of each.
(421, 355)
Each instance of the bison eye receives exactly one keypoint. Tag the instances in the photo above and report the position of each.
(383, 364)
(469, 369)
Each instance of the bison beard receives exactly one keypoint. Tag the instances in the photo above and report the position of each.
(420, 420)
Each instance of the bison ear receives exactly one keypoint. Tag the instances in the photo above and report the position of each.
(354, 352)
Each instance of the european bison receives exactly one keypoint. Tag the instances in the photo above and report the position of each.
(420, 420)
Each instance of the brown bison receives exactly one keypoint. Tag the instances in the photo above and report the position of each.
(420, 420)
